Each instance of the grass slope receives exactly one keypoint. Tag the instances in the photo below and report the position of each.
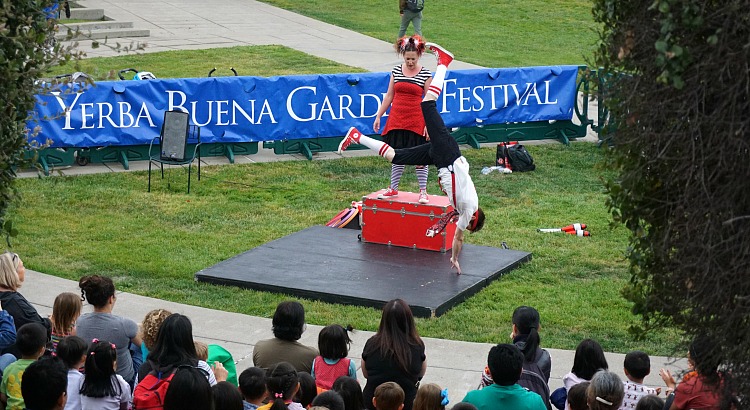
(152, 244)
(490, 33)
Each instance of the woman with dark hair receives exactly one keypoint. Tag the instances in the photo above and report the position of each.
(537, 361)
(405, 127)
(174, 347)
(227, 396)
(394, 354)
(288, 326)
(702, 386)
(101, 324)
(189, 390)
(351, 392)
(589, 359)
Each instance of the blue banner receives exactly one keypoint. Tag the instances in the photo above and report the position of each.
(252, 109)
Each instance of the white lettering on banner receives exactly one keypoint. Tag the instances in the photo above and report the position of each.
(531, 90)
(345, 102)
(84, 115)
(345, 106)
(105, 115)
(461, 99)
(362, 98)
(219, 112)
(289, 104)
(307, 102)
(546, 95)
(65, 108)
(125, 112)
(472, 99)
(265, 110)
(478, 98)
(176, 100)
(144, 114)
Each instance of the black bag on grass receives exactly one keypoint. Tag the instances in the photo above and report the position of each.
(520, 159)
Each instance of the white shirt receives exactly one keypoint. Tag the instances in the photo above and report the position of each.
(633, 393)
(107, 402)
(75, 378)
(466, 201)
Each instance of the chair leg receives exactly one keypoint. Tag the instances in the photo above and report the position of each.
(149, 175)
(162, 170)
(190, 171)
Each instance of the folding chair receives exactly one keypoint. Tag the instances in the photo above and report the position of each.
(177, 144)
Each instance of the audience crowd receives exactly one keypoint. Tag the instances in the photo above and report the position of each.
(101, 361)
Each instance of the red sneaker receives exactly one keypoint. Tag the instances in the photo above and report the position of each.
(444, 57)
(389, 193)
(352, 137)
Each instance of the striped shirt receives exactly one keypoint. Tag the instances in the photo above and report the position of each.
(422, 76)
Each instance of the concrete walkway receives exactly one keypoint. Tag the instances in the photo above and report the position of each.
(199, 24)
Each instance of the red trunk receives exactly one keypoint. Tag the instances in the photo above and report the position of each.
(403, 221)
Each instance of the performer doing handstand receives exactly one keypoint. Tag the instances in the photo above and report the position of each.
(442, 151)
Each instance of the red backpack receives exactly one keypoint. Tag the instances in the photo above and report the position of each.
(149, 393)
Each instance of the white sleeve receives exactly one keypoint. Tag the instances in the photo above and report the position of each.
(211, 378)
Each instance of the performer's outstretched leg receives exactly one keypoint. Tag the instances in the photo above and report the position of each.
(356, 137)
(444, 58)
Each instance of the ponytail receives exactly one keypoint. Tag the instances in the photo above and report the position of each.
(532, 344)
(527, 321)
(282, 384)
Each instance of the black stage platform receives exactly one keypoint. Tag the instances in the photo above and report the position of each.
(332, 265)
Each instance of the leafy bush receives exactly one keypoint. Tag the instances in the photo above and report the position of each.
(678, 90)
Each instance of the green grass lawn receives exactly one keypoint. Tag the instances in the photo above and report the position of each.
(490, 33)
(261, 61)
(153, 243)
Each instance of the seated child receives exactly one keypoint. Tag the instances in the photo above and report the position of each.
(72, 351)
(227, 396)
(577, 396)
(650, 402)
(214, 353)
(31, 341)
(329, 400)
(464, 406)
(333, 344)
(505, 362)
(307, 389)
(253, 387)
(44, 385)
(637, 367)
(388, 396)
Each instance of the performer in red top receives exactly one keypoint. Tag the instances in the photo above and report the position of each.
(405, 127)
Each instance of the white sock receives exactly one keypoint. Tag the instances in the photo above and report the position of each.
(378, 146)
(436, 86)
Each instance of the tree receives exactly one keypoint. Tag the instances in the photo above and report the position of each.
(678, 87)
(26, 53)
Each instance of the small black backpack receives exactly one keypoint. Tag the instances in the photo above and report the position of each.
(520, 159)
(415, 5)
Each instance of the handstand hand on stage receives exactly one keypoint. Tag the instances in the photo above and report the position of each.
(442, 151)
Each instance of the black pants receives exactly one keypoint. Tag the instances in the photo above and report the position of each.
(441, 151)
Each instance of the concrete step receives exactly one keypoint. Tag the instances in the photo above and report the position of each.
(96, 25)
(107, 33)
(81, 13)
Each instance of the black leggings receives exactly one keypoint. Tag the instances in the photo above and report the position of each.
(442, 150)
